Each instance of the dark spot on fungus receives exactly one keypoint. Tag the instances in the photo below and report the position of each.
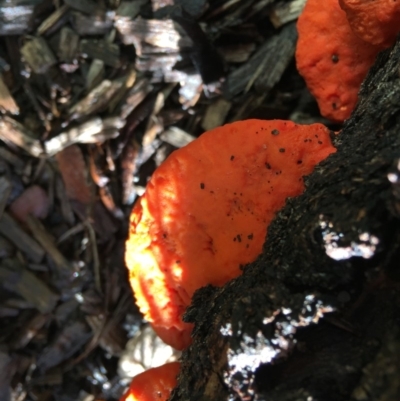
(320, 142)
(299, 161)
(202, 185)
(239, 238)
(335, 58)
(275, 132)
(282, 150)
(177, 262)
(334, 106)
(232, 157)
(250, 236)
(268, 166)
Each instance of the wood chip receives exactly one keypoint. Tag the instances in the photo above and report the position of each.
(7, 249)
(97, 99)
(11, 158)
(95, 74)
(284, 12)
(66, 208)
(49, 245)
(215, 114)
(68, 45)
(129, 9)
(238, 53)
(152, 36)
(86, 6)
(263, 66)
(74, 173)
(7, 102)
(135, 96)
(15, 16)
(10, 229)
(92, 131)
(102, 50)
(38, 55)
(7, 367)
(177, 137)
(190, 90)
(195, 8)
(67, 342)
(277, 63)
(5, 191)
(99, 218)
(128, 166)
(29, 331)
(52, 19)
(92, 24)
(15, 133)
(128, 82)
(33, 201)
(14, 277)
(108, 201)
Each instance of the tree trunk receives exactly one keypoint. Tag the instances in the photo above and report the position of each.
(316, 316)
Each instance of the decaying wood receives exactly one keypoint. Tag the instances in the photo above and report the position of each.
(316, 315)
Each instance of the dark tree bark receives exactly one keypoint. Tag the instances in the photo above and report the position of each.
(317, 315)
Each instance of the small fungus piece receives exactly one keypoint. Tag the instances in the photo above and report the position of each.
(154, 384)
(374, 21)
(207, 232)
(331, 58)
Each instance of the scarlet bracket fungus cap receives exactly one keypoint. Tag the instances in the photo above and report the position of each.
(331, 58)
(206, 210)
(374, 21)
(154, 384)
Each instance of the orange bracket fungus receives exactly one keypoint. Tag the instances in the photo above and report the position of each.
(206, 210)
(331, 58)
(154, 384)
(374, 21)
